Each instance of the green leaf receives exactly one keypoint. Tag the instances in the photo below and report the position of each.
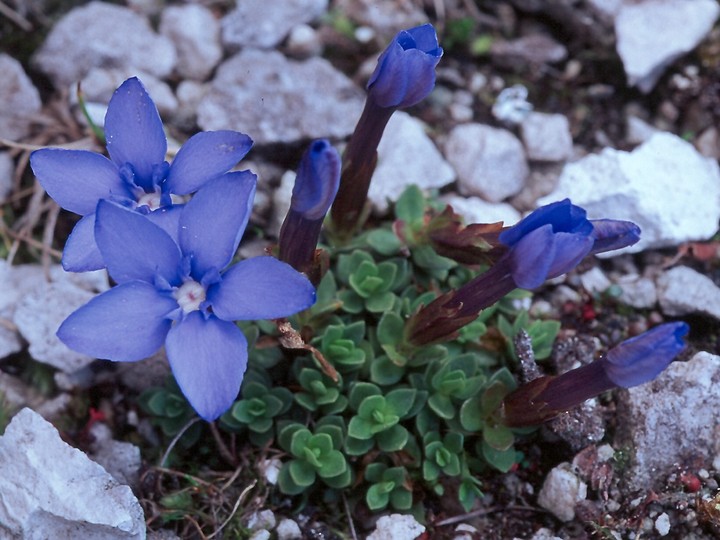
(359, 391)
(299, 442)
(502, 460)
(384, 372)
(351, 301)
(384, 242)
(355, 332)
(286, 433)
(390, 329)
(358, 447)
(340, 481)
(335, 433)
(393, 439)
(333, 464)
(377, 497)
(360, 428)
(426, 257)
(301, 472)
(401, 499)
(410, 207)
(399, 401)
(430, 472)
(273, 404)
(442, 406)
(380, 303)
(498, 437)
(471, 415)
(285, 482)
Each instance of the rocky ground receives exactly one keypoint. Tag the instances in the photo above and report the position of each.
(611, 103)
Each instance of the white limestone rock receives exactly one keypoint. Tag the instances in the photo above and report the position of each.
(671, 420)
(651, 34)
(637, 291)
(288, 529)
(682, 290)
(665, 186)
(490, 162)
(396, 527)
(547, 137)
(595, 281)
(51, 490)
(195, 32)
(406, 156)
(120, 459)
(387, 17)
(561, 491)
(476, 210)
(281, 201)
(278, 100)
(263, 24)
(19, 97)
(99, 34)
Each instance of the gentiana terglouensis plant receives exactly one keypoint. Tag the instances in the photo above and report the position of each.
(631, 363)
(387, 357)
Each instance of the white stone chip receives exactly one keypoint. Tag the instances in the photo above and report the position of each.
(288, 529)
(682, 290)
(396, 527)
(561, 491)
(51, 490)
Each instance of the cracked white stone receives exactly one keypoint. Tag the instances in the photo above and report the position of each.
(52, 490)
(561, 491)
(665, 186)
(396, 527)
(682, 290)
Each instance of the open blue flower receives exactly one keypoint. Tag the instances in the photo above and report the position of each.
(405, 72)
(181, 294)
(553, 239)
(136, 175)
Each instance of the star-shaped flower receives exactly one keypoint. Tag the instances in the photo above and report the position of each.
(180, 293)
(136, 175)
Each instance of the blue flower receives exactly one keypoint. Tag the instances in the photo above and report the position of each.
(633, 362)
(553, 239)
(405, 72)
(180, 293)
(642, 358)
(315, 187)
(136, 175)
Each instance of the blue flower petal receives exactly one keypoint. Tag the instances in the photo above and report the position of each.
(213, 222)
(77, 179)
(168, 219)
(642, 358)
(134, 131)
(260, 288)
(405, 73)
(570, 249)
(81, 253)
(134, 248)
(532, 257)
(562, 215)
(317, 180)
(205, 156)
(208, 358)
(610, 234)
(126, 323)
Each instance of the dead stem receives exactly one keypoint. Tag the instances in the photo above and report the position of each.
(240, 498)
(349, 516)
(176, 439)
(229, 458)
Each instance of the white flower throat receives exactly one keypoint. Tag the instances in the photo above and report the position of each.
(189, 296)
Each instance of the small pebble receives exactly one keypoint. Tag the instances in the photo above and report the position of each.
(662, 524)
(288, 529)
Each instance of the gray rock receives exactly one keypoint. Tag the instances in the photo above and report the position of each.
(490, 162)
(396, 527)
(19, 97)
(277, 100)
(595, 281)
(547, 137)
(262, 24)
(561, 491)
(638, 130)
(533, 49)
(476, 210)
(120, 459)
(637, 291)
(51, 490)
(670, 421)
(406, 156)
(37, 307)
(651, 34)
(288, 529)
(304, 42)
(7, 170)
(281, 201)
(665, 186)
(195, 32)
(386, 16)
(682, 290)
(103, 35)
